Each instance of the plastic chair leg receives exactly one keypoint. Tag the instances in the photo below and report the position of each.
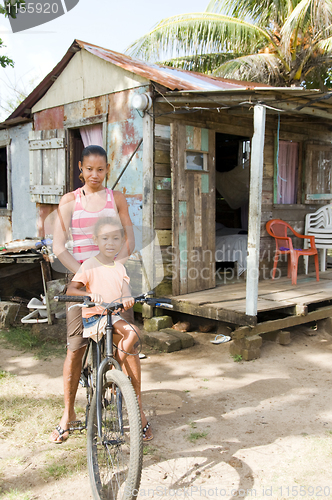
(306, 263)
(275, 263)
(294, 264)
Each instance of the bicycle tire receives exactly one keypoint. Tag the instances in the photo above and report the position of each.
(115, 461)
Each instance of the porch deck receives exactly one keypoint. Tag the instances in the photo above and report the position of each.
(280, 304)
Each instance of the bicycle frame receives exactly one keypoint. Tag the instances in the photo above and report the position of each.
(101, 365)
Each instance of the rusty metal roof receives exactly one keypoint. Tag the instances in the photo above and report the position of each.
(171, 78)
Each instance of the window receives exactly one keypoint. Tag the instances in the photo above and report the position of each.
(3, 178)
(196, 160)
(287, 162)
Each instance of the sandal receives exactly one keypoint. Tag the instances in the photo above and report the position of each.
(61, 437)
(220, 339)
(145, 437)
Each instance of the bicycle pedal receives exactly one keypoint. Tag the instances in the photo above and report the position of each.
(76, 425)
(83, 381)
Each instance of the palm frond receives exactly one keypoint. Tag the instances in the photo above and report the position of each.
(190, 34)
(325, 45)
(263, 68)
(202, 63)
(309, 18)
(260, 12)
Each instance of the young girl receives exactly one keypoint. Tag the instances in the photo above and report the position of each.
(106, 280)
(77, 212)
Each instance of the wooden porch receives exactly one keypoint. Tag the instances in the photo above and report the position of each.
(280, 304)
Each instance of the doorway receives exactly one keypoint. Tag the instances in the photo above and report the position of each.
(76, 147)
(232, 201)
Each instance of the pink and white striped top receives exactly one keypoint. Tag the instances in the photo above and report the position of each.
(82, 224)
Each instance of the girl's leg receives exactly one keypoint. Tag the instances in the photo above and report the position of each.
(131, 365)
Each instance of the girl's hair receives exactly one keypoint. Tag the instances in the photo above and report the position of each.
(92, 150)
(107, 221)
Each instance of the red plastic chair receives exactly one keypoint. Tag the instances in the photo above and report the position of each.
(278, 229)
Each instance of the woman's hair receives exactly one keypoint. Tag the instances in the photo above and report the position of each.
(92, 150)
(107, 221)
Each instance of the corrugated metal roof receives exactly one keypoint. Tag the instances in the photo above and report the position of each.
(174, 79)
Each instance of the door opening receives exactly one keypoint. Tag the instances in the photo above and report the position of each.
(232, 200)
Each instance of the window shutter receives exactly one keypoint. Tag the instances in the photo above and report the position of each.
(47, 165)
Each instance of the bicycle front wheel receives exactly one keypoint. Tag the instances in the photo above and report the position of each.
(115, 459)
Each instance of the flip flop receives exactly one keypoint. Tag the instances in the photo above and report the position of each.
(145, 437)
(61, 437)
(220, 339)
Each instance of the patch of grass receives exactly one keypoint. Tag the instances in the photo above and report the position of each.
(149, 450)
(15, 494)
(186, 390)
(24, 340)
(192, 424)
(237, 358)
(4, 374)
(71, 461)
(205, 379)
(194, 436)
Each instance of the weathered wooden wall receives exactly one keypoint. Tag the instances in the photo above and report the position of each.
(311, 134)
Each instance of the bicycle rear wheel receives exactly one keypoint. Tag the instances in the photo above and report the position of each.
(115, 460)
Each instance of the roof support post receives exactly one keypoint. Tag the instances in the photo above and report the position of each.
(255, 209)
(148, 229)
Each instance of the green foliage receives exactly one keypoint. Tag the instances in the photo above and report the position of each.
(278, 42)
(237, 358)
(194, 436)
(8, 9)
(23, 339)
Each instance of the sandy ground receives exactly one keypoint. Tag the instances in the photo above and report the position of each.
(267, 424)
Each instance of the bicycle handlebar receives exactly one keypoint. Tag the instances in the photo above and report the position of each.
(85, 299)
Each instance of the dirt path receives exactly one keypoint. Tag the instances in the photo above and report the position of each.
(222, 429)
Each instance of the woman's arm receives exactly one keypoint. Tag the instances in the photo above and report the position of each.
(61, 232)
(129, 246)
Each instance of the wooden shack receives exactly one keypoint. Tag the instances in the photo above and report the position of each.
(217, 155)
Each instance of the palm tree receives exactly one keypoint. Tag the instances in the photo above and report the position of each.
(280, 42)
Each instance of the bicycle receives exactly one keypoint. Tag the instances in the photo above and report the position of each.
(113, 421)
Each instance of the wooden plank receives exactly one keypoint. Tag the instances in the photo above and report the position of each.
(47, 190)
(255, 201)
(183, 245)
(197, 138)
(162, 170)
(53, 143)
(197, 209)
(174, 234)
(162, 183)
(161, 145)
(189, 131)
(162, 209)
(262, 305)
(162, 197)
(280, 324)
(162, 222)
(162, 156)
(162, 131)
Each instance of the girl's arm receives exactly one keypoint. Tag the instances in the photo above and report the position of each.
(74, 288)
(127, 300)
(61, 232)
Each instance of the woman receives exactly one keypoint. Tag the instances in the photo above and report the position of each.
(78, 211)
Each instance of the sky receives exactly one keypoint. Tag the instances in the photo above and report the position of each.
(108, 23)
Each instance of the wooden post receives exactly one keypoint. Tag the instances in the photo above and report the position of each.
(148, 183)
(255, 208)
(46, 275)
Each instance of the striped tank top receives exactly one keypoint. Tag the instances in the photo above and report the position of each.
(82, 225)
